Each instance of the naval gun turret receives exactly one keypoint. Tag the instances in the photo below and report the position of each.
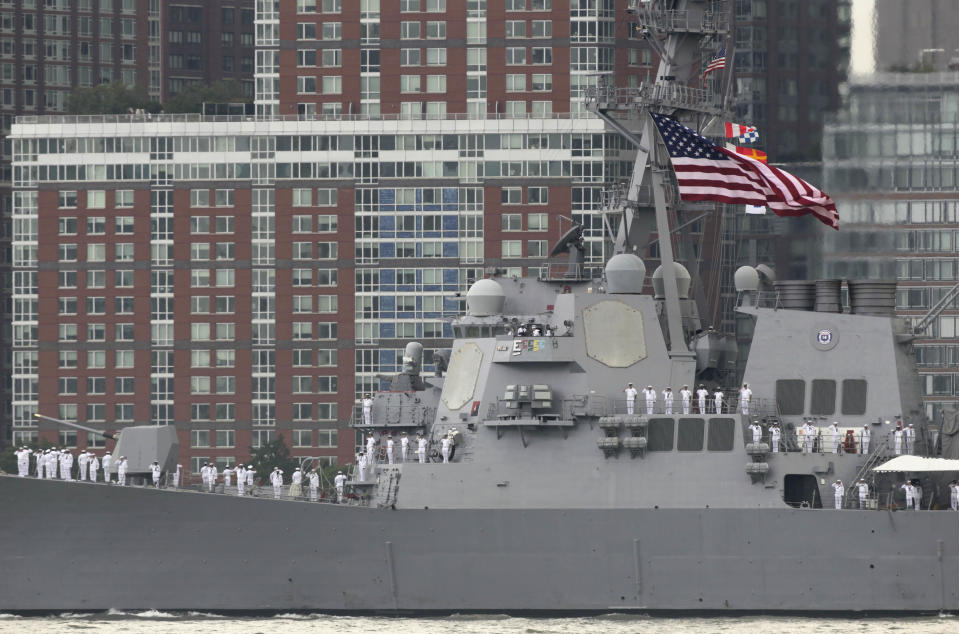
(142, 445)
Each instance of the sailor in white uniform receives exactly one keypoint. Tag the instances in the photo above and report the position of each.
(631, 393)
(276, 479)
(718, 400)
(339, 482)
(314, 478)
(445, 445)
(39, 462)
(757, 430)
(361, 465)
(296, 484)
(668, 400)
(839, 491)
(250, 473)
(227, 476)
(155, 472)
(687, 397)
(745, 396)
(910, 434)
(863, 493)
(82, 461)
(389, 448)
(122, 471)
(774, 435)
(864, 440)
(367, 410)
(897, 441)
(834, 436)
(94, 465)
(107, 462)
(370, 447)
(421, 448)
(240, 480)
(954, 495)
(23, 462)
(205, 474)
(404, 446)
(176, 476)
(212, 474)
(910, 490)
(650, 394)
(809, 436)
(66, 465)
(701, 395)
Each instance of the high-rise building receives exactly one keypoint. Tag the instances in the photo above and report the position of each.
(49, 48)
(903, 30)
(891, 164)
(251, 277)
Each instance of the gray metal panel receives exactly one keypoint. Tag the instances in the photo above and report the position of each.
(614, 334)
(461, 378)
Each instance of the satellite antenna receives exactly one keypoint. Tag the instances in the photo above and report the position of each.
(572, 242)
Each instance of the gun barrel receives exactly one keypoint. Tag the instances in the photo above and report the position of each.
(75, 425)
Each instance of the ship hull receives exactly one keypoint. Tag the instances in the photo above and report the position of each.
(91, 547)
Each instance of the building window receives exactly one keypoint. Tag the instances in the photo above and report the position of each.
(302, 437)
(67, 199)
(537, 222)
(512, 248)
(512, 222)
(200, 438)
(537, 248)
(199, 197)
(327, 438)
(302, 197)
(515, 83)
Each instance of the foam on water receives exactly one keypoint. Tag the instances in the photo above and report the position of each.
(115, 612)
(154, 614)
(75, 615)
(205, 615)
(296, 617)
(10, 616)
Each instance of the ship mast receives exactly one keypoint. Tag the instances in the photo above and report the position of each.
(683, 33)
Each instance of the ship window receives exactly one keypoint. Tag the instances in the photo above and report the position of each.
(721, 432)
(690, 434)
(660, 434)
(790, 396)
(854, 397)
(823, 399)
(801, 489)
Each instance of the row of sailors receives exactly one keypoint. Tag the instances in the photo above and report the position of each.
(246, 479)
(833, 438)
(47, 463)
(911, 488)
(366, 459)
(707, 402)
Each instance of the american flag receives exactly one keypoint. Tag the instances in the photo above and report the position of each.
(716, 63)
(705, 171)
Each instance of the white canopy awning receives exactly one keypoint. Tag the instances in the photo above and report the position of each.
(918, 463)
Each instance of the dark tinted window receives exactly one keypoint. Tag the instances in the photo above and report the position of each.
(823, 401)
(791, 396)
(721, 433)
(660, 435)
(690, 434)
(854, 396)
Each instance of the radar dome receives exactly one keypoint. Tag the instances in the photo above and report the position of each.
(485, 298)
(746, 279)
(625, 273)
(683, 281)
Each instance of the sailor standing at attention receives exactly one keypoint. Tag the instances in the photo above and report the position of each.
(314, 484)
(650, 394)
(240, 480)
(23, 462)
(745, 395)
(367, 410)
(227, 476)
(668, 400)
(687, 397)
(82, 461)
(701, 395)
(361, 465)
(774, 434)
(339, 482)
(864, 440)
(66, 465)
(94, 465)
(155, 472)
(38, 462)
(296, 486)
(910, 490)
(106, 462)
(897, 441)
(205, 474)
(954, 495)
(250, 473)
(834, 436)
(176, 477)
(421, 448)
(370, 446)
(389, 448)
(839, 491)
(631, 393)
(122, 471)
(404, 446)
(757, 430)
(863, 493)
(718, 400)
(213, 474)
(910, 434)
(445, 445)
(276, 479)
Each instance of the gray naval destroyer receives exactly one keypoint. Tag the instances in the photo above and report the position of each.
(558, 495)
